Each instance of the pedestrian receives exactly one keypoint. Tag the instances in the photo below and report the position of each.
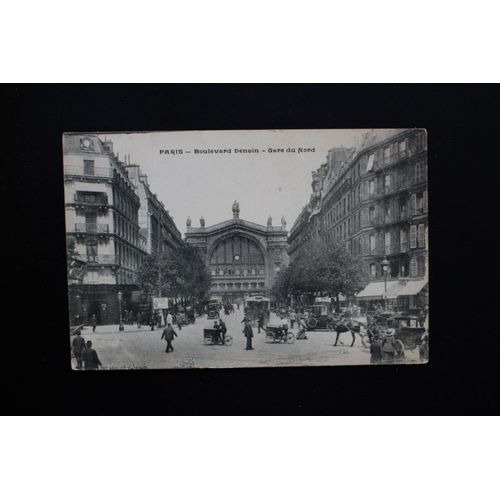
(170, 319)
(93, 322)
(139, 319)
(223, 330)
(376, 349)
(293, 318)
(91, 360)
(169, 334)
(301, 325)
(152, 321)
(306, 315)
(389, 346)
(248, 332)
(423, 349)
(78, 347)
(260, 323)
(422, 315)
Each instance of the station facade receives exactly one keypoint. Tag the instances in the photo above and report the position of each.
(243, 257)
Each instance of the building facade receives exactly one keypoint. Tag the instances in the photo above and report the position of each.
(156, 224)
(105, 218)
(243, 257)
(375, 201)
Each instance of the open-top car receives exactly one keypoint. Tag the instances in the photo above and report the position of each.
(278, 333)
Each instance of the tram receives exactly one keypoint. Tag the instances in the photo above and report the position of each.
(255, 306)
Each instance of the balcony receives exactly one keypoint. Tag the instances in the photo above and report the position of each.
(95, 172)
(100, 259)
(91, 228)
(99, 200)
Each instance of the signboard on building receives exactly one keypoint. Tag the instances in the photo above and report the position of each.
(160, 303)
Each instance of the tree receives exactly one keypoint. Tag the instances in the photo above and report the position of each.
(183, 274)
(322, 268)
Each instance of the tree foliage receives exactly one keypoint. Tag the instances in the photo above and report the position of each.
(183, 274)
(321, 268)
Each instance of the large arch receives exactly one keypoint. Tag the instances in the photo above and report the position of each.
(237, 254)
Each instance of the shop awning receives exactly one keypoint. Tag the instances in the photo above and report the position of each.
(376, 290)
(410, 287)
(395, 288)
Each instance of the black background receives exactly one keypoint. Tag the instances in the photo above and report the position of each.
(461, 121)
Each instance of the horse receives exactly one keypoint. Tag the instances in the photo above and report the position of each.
(344, 325)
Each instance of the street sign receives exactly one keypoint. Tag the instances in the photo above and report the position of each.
(160, 303)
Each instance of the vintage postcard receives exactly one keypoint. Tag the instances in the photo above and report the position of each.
(247, 248)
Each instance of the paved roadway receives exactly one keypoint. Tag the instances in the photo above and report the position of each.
(143, 348)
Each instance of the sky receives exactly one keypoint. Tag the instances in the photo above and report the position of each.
(265, 184)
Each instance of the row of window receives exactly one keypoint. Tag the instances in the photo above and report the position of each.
(386, 183)
(416, 236)
(125, 206)
(414, 267)
(233, 286)
(236, 272)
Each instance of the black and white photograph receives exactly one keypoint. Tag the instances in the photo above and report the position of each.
(247, 248)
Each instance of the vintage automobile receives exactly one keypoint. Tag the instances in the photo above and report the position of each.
(320, 316)
(278, 333)
(407, 332)
(213, 308)
(212, 336)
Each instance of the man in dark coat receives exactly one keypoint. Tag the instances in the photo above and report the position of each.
(260, 324)
(168, 334)
(248, 332)
(90, 359)
(223, 330)
(93, 322)
(78, 348)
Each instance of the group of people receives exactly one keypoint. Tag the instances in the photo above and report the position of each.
(86, 357)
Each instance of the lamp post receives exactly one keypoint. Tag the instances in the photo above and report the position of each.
(78, 310)
(120, 295)
(385, 267)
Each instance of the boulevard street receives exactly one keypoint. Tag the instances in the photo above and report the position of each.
(142, 348)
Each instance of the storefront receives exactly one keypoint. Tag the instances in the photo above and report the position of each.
(405, 295)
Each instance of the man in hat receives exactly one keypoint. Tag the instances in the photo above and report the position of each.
(389, 345)
(248, 332)
(169, 334)
(78, 347)
(223, 330)
(90, 359)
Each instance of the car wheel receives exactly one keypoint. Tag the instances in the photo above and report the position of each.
(312, 322)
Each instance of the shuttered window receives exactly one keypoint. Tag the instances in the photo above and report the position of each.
(414, 204)
(413, 236)
(371, 159)
(425, 202)
(413, 267)
(403, 240)
(421, 235)
(387, 243)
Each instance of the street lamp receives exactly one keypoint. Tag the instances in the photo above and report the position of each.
(385, 267)
(120, 295)
(78, 310)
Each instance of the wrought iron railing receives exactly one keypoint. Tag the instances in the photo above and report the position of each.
(82, 227)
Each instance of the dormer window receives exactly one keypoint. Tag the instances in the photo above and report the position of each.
(87, 144)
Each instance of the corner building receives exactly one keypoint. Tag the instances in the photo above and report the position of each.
(375, 201)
